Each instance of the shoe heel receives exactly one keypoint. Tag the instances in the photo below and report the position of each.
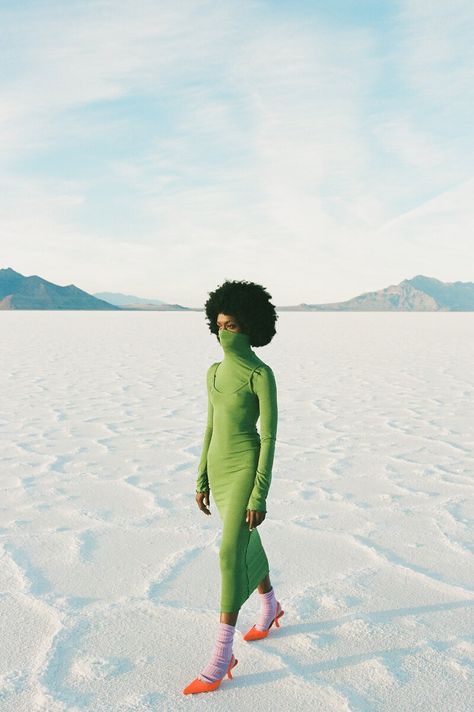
(277, 617)
(232, 664)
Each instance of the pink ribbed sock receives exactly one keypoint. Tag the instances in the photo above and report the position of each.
(268, 609)
(218, 664)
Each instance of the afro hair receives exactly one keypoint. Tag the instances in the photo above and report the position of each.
(249, 303)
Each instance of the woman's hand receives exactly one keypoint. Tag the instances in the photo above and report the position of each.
(202, 499)
(254, 518)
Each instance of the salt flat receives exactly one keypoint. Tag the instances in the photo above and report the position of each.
(109, 576)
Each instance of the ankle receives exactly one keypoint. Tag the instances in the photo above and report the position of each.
(221, 654)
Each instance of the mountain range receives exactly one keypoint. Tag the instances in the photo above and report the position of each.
(132, 303)
(20, 292)
(417, 294)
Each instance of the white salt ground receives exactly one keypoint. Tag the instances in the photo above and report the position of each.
(109, 578)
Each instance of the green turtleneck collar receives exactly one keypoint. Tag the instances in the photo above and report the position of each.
(235, 342)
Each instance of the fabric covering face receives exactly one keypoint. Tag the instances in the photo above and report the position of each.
(236, 460)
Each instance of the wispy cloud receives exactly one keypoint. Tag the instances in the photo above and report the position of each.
(184, 142)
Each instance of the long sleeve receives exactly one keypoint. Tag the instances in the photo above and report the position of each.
(264, 386)
(202, 483)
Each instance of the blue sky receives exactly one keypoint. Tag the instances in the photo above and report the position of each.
(157, 148)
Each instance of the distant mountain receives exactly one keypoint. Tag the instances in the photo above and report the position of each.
(120, 299)
(133, 303)
(418, 294)
(20, 292)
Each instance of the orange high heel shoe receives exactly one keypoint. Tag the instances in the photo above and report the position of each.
(199, 685)
(255, 634)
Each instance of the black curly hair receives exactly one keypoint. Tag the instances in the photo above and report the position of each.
(249, 303)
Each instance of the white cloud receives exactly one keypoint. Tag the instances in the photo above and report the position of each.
(275, 164)
(411, 144)
(438, 51)
(436, 235)
(451, 210)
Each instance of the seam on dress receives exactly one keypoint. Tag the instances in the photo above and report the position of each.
(247, 383)
(250, 379)
(246, 565)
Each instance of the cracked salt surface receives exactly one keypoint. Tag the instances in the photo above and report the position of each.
(109, 576)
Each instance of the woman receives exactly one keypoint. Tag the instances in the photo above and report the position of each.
(236, 462)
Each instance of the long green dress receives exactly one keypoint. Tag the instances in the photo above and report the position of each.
(236, 460)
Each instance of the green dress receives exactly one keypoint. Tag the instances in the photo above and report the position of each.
(236, 460)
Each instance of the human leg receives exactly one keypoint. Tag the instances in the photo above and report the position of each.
(268, 609)
(221, 655)
(222, 651)
(229, 618)
(265, 584)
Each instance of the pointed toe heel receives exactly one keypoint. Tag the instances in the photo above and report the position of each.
(198, 685)
(255, 634)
